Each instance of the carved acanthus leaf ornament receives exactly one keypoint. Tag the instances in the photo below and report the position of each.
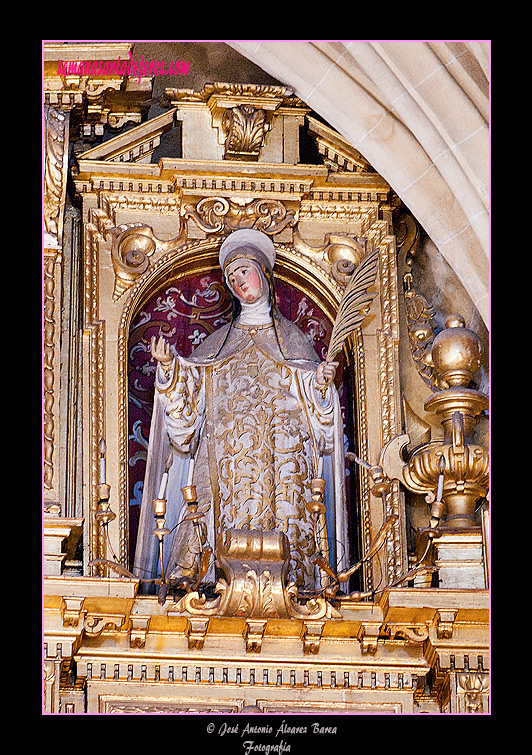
(246, 128)
(255, 563)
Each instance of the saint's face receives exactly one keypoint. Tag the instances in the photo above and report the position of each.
(245, 280)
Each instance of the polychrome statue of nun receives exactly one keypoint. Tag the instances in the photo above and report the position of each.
(251, 417)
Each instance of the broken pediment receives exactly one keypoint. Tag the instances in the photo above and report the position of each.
(136, 145)
(237, 123)
(337, 153)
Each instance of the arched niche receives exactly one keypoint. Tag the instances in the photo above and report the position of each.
(306, 294)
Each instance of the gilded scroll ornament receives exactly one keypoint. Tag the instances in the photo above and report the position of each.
(219, 214)
(255, 565)
(255, 589)
(343, 252)
(96, 623)
(130, 254)
(132, 246)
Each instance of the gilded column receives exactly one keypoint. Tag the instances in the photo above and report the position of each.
(56, 124)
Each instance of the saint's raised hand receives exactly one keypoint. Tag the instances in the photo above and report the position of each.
(160, 349)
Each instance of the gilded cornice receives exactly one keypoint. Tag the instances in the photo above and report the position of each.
(129, 148)
(234, 94)
(198, 178)
(405, 627)
(314, 182)
(70, 90)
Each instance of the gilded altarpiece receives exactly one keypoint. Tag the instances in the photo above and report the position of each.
(151, 234)
(315, 276)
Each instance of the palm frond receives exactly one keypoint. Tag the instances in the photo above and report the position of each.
(355, 303)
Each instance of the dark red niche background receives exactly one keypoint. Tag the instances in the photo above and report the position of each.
(185, 313)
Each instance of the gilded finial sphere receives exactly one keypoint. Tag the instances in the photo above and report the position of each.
(455, 321)
(456, 353)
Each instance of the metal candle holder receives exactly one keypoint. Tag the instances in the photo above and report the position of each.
(191, 499)
(104, 515)
(316, 507)
(159, 512)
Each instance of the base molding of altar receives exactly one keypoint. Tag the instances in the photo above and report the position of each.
(109, 650)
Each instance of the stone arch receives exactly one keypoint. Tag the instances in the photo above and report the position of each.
(419, 113)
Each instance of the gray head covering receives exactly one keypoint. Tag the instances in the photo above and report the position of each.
(245, 238)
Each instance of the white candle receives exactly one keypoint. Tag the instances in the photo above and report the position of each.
(441, 466)
(164, 478)
(440, 488)
(190, 471)
(320, 466)
(102, 462)
(162, 487)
